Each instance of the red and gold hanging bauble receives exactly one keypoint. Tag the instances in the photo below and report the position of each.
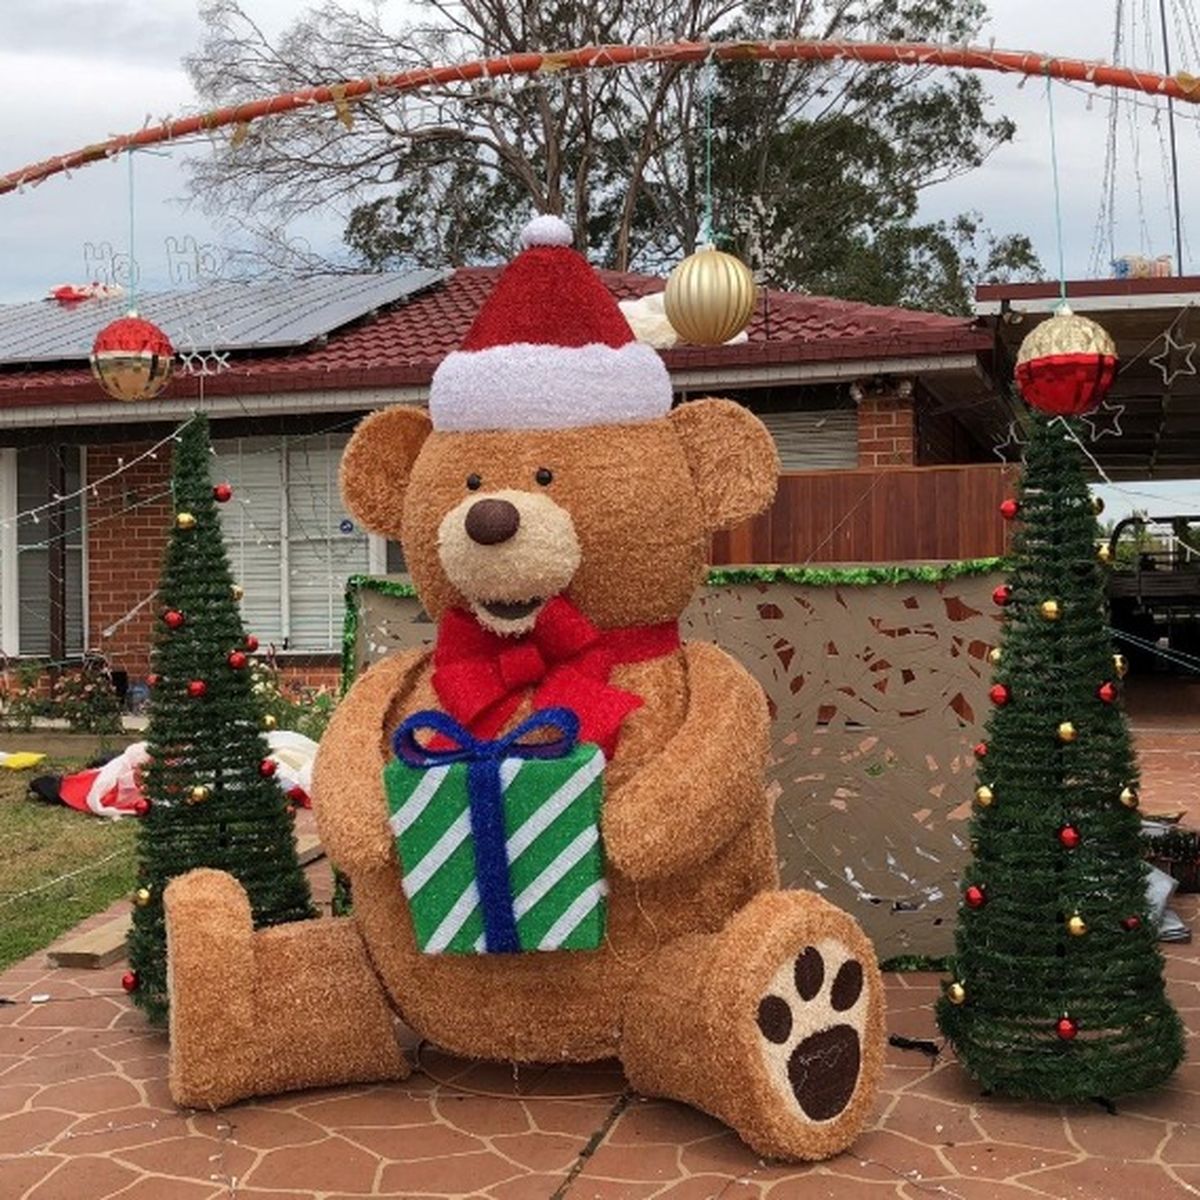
(710, 297)
(1066, 364)
(132, 359)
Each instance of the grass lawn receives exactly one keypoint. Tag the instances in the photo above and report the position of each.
(41, 844)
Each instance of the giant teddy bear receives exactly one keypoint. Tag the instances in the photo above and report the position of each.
(555, 511)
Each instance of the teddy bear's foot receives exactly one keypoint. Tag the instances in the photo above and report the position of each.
(253, 1013)
(774, 1025)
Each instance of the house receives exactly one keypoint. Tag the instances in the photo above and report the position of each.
(877, 413)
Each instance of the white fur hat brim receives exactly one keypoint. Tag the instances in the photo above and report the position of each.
(528, 386)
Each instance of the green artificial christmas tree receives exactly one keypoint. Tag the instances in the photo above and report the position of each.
(211, 797)
(1058, 990)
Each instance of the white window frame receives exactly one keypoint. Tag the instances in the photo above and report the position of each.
(10, 600)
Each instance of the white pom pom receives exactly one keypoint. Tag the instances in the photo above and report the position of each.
(547, 230)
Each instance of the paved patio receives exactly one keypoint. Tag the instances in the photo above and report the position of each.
(85, 1114)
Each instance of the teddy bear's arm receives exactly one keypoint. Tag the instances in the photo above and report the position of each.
(348, 774)
(706, 782)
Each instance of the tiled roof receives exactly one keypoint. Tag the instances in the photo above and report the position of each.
(402, 345)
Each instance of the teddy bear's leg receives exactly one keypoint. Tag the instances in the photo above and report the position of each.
(252, 1013)
(775, 1025)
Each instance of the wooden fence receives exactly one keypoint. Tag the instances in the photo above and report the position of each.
(899, 514)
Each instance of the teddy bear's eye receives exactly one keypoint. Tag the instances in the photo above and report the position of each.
(474, 483)
(544, 476)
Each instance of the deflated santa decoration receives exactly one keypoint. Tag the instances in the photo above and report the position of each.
(554, 822)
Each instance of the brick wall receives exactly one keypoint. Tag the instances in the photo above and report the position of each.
(886, 431)
(128, 518)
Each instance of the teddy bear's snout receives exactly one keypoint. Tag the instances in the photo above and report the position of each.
(490, 522)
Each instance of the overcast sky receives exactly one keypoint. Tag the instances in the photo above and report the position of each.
(75, 71)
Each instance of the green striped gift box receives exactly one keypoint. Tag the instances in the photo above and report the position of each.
(552, 834)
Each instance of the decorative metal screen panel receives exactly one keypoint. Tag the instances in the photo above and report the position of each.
(878, 694)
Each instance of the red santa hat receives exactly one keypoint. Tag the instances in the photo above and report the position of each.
(549, 349)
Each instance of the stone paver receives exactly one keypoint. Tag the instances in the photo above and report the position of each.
(85, 1114)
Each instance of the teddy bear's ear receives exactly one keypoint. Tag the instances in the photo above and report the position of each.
(377, 464)
(732, 458)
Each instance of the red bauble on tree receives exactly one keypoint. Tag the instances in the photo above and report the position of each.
(129, 981)
(1068, 835)
(197, 688)
(1129, 924)
(1002, 595)
(251, 643)
(1107, 692)
(132, 359)
(237, 660)
(222, 493)
(267, 768)
(975, 896)
(1066, 365)
(1066, 1028)
(999, 693)
(174, 619)
(981, 749)
(1009, 509)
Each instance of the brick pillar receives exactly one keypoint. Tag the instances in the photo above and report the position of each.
(886, 431)
(128, 520)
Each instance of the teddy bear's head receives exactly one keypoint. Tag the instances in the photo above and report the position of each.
(556, 468)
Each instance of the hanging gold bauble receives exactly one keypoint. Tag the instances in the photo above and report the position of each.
(1120, 665)
(238, 591)
(1050, 610)
(1104, 553)
(141, 897)
(984, 796)
(1076, 925)
(1097, 504)
(1129, 797)
(185, 520)
(1067, 732)
(269, 721)
(710, 297)
(956, 993)
(994, 656)
(198, 794)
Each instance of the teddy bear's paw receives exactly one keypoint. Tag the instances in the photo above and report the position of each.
(813, 1019)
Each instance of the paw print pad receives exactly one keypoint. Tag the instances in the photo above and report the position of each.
(811, 1020)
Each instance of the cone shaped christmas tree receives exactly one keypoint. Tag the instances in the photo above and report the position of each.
(212, 800)
(1057, 990)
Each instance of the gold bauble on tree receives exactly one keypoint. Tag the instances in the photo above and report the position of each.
(1120, 665)
(1051, 610)
(1104, 553)
(956, 993)
(141, 897)
(198, 794)
(237, 591)
(269, 721)
(994, 656)
(1076, 925)
(984, 796)
(1067, 731)
(185, 520)
(1129, 797)
(710, 297)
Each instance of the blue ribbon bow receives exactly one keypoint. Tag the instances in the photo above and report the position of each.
(485, 797)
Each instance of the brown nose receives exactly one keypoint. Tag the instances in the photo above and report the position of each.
(490, 522)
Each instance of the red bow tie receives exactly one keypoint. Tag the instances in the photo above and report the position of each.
(480, 677)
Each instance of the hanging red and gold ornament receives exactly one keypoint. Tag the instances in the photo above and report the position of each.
(132, 359)
(1066, 364)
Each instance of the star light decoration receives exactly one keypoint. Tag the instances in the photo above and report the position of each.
(1162, 360)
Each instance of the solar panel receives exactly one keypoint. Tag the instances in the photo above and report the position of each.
(257, 315)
